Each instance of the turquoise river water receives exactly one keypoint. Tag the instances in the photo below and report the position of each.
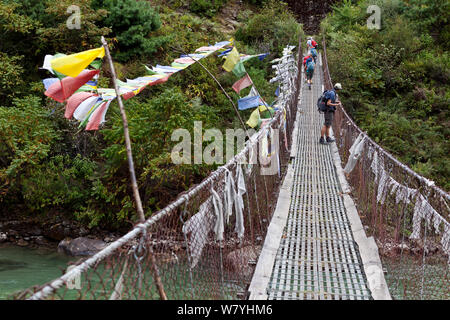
(21, 268)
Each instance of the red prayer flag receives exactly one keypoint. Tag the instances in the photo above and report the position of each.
(74, 101)
(61, 90)
(242, 83)
(97, 116)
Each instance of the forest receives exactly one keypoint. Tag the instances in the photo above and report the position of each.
(395, 83)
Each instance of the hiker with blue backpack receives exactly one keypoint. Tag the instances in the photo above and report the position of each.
(308, 63)
(327, 104)
(313, 54)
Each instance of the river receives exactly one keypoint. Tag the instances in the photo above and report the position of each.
(21, 268)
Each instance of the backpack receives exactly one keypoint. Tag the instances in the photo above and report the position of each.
(322, 102)
(313, 52)
(310, 66)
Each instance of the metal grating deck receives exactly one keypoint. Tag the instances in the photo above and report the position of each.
(317, 257)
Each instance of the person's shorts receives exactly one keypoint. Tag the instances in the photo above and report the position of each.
(328, 115)
(309, 74)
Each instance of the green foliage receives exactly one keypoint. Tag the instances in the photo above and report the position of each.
(60, 182)
(272, 29)
(10, 76)
(151, 125)
(26, 136)
(48, 165)
(206, 8)
(396, 79)
(131, 23)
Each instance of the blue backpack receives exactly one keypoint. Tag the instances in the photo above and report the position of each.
(322, 102)
(310, 66)
(313, 52)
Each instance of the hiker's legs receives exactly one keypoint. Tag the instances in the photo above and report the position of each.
(324, 131)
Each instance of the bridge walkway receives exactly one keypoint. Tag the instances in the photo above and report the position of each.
(317, 257)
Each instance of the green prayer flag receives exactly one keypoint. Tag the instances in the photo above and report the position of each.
(239, 69)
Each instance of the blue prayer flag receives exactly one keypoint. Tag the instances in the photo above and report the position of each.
(277, 92)
(249, 102)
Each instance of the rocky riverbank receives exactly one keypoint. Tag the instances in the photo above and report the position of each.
(48, 233)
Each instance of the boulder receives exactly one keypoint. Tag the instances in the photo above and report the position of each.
(81, 246)
(22, 243)
(238, 260)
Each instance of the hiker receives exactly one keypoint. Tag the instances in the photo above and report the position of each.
(308, 58)
(311, 43)
(310, 72)
(314, 54)
(332, 101)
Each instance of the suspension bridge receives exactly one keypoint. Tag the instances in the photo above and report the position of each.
(307, 230)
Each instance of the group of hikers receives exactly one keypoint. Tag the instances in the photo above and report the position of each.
(328, 101)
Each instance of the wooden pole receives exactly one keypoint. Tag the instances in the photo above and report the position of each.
(134, 186)
(137, 197)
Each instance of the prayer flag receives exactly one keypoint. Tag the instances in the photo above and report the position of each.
(61, 90)
(73, 64)
(242, 83)
(254, 119)
(231, 60)
(253, 92)
(74, 101)
(239, 69)
(49, 81)
(249, 102)
(98, 116)
(83, 109)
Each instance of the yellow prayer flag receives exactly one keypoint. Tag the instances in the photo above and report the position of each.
(232, 59)
(253, 121)
(73, 64)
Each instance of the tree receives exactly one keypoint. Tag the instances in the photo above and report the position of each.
(131, 23)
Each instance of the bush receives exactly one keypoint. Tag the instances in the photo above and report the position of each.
(272, 29)
(206, 8)
(132, 23)
(26, 136)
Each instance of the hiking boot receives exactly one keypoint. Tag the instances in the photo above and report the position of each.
(322, 140)
(330, 140)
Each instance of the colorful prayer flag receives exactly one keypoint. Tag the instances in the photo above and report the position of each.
(74, 101)
(73, 64)
(254, 119)
(63, 89)
(98, 116)
(239, 69)
(249, 102)
(242, 83)
(231, 60)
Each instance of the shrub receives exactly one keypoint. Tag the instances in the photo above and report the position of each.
(132, 23)
(206, 8)
(272, 29)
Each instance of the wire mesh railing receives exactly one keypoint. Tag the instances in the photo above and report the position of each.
(204, 245)
(406, 213)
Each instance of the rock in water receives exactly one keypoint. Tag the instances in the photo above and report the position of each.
(81, 246)
(238, 261)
